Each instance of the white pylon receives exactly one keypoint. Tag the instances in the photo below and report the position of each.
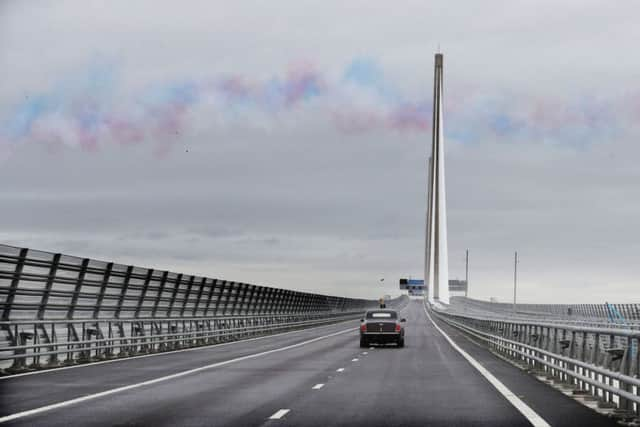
(436, 265)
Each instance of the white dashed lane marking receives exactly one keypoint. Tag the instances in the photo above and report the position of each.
(317, 386)
(170, 377)
(354, 360)
(340, 370)
(281, 413)
(164, 353)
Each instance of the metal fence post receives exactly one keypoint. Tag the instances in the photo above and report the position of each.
(212, 288)
(143, 293)
(123, 291)
(163, 283)
(219, 299)
(48, 285)
(201, 285)
(77, 288)
(13, 287)
(103, 289)
(186, 296)
(172, 302)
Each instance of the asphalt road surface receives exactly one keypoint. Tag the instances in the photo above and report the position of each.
(315, 377)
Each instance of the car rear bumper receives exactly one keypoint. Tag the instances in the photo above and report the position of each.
(382, 337)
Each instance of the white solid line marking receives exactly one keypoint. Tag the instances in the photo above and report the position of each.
(340, 370)
(281, 413)
(161, 379)
(204, 347)
(532, 416)
(317, 386)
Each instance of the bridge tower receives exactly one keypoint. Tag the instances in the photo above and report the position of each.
(436, 265)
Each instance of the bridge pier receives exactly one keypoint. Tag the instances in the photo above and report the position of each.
(436, 264)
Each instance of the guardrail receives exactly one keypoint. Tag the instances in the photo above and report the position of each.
(596, 363)
(125, 338)
(56, 306)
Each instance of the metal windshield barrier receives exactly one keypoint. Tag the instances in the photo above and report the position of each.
(58, 309)
(615, 315)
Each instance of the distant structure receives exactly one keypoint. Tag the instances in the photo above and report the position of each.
(436, 265)
(416, 287)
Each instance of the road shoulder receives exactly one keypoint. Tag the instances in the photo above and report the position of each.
(554, 406)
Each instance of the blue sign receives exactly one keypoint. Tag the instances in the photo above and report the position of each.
(412, 284)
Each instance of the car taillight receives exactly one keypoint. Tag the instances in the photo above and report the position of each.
(363, 327)
(398, 327)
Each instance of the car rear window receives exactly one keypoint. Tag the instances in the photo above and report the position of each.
(381, 315)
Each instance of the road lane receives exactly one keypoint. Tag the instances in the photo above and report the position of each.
(425, 383)
(48, 387)
(245, 393)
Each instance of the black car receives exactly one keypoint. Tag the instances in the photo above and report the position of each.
(381, 326)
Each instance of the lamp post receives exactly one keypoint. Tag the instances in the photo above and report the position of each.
(515, 280)
(466, 274)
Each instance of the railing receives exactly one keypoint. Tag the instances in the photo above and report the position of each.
(598, 363)
(131, 337)
(63, 309)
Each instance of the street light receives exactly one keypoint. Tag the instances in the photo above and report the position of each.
(466, 274)
(515, 280)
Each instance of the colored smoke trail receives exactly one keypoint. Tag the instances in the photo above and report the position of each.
(93, 109)
(90, 113)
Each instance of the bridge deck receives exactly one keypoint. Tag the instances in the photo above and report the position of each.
(426, 383)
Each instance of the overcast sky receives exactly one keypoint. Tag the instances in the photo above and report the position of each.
(285, 143)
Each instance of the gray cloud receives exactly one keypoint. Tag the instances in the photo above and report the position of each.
(294, 202)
